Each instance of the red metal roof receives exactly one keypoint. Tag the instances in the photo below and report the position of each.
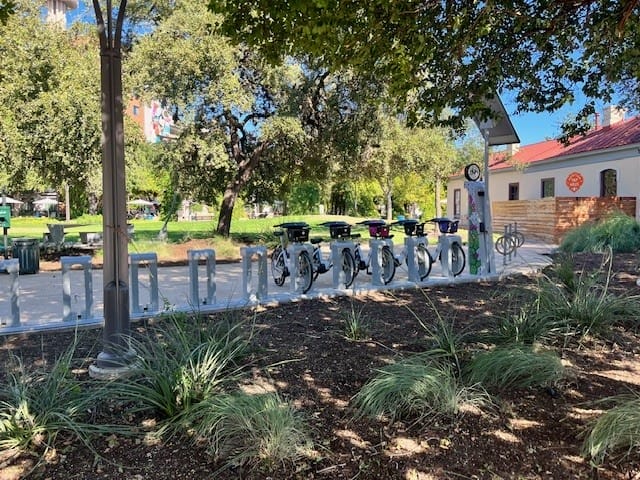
(626, 132)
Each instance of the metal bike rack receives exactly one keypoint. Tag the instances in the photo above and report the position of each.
(336, 259)
(376, 246)
(294, 249)
(210, 262)
(150, 260)
(445, 254)
(68, 314)
(247, 254)
(410, 244)
(12, 267)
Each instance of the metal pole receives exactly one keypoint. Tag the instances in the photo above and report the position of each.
(490, 257)
(116, 353)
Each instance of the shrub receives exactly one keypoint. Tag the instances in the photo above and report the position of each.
(618, 231)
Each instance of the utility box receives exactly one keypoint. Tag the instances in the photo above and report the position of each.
(5, 216)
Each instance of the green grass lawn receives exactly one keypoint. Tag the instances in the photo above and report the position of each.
(243, 231)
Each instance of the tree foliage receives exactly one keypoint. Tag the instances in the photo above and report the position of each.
(440, 55)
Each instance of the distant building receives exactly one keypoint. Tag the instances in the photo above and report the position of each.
(155, 120)
(57, 11)
(600, 169)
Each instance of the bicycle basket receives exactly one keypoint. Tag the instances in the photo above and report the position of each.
(298, 234)
(340, 231)
(379, 231)
(448, 226)
(414, 228)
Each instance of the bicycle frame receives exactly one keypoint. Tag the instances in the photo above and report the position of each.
(449, 245)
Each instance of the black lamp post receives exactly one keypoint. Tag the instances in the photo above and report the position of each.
(116, 355)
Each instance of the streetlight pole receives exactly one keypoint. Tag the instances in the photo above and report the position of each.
(116, 356)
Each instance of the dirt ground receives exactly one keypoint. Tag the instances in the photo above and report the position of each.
(300, 350)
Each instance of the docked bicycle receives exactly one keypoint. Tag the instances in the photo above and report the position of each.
(282, 264)
(378, 230)
(339, 231)
(450, 245)
(414, 230)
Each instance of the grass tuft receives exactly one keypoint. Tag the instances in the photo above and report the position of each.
(515, 367)
(355, 323)
(418, 386)
(614, 431)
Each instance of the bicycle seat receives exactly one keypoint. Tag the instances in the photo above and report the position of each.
(315, 240)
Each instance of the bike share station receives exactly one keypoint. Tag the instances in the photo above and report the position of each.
(496, 130)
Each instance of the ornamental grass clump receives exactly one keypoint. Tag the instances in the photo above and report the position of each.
(515, 366)
(420, 386)
(243, 428)
(619, 232)
(585, 304)
(615, 431)
(183, 361)
(355, 324)
(37, 407)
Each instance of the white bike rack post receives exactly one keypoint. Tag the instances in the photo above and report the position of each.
(13, 269)
(294, 249)
(68, 315)
(410, 244)
(210, 262)
(376, 245)
(247, 254)
(151, 261)
(445, 255)
(336, 258)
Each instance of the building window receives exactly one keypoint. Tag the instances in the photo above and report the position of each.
(136, 110)
(548, 188)
(514, 191)
(456, 203)
(608, 183)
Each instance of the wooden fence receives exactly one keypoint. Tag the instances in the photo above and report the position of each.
(550, 218)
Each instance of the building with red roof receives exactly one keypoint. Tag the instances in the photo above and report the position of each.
(603, 164)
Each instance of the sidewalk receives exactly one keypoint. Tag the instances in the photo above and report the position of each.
(41, 299)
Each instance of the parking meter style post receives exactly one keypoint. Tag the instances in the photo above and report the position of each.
(480, 244)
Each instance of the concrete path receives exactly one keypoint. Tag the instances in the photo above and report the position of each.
(41, 299)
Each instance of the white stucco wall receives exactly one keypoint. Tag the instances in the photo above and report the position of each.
(625, 161)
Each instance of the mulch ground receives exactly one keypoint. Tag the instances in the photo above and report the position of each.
(300, 349)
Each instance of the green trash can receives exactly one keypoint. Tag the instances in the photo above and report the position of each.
(27, 251)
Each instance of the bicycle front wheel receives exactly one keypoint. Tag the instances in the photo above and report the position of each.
(348, 267)
(305, 272)
(278, 266)
(458, 259)
(424, 260)
(388, 265)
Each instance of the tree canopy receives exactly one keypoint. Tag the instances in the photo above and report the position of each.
(439, 55)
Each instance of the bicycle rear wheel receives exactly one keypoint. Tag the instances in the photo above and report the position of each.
(388, 265)
(348, 267)
(305, 272)
(458, 259)
(278, 266)
(424, 260)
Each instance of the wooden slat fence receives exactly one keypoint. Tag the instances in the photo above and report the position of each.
(550, 218)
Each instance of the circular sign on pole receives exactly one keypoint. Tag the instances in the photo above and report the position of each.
(574, 181)
(472, 172)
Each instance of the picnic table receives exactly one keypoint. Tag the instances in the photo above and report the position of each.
(57, 231)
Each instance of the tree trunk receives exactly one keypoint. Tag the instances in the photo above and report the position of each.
(437, 195)
(231, 193)
(389, 205)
